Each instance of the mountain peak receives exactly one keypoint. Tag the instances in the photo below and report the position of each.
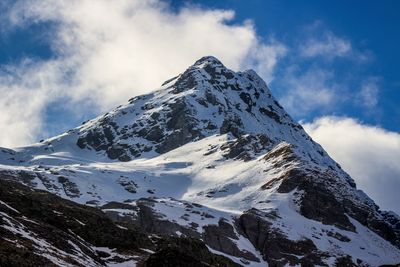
(208, 60)
(206, 99)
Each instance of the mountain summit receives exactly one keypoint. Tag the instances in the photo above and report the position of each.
(213, 157)
(207, 99)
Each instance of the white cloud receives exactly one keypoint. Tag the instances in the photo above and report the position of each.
(308, 91)
(320, 42)
(25, 89)
(368, 95)
(369, 154)
(329, 45)
(108, 51)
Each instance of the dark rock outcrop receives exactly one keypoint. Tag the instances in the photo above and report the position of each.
(183, 252)
(245, 147)
(70, 232)
(219, 237)
(319, 202)
(58, 222)
(276, 248)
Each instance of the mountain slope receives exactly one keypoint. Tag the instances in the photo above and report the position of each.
(212, 155)
(41, 229)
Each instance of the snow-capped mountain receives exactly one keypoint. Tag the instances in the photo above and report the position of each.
(212, 155)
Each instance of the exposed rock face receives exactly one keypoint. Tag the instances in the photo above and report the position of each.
(56, 227)
(182, 252)
(274, 245)
(245, 147)
(319, 202)
(40, 229)
(152, 222)
(218, 236)
(316, 202)
(70, 188)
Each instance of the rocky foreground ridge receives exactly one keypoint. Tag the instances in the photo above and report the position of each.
(209, 163)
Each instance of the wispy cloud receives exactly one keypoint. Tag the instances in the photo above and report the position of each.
(329, 45)
(370, 154)
(25, 90)
(314, 79)
(108, 51)
(320, 42)
(309, 90)
(368, 95)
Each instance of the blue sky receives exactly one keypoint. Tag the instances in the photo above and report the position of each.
(334, 66)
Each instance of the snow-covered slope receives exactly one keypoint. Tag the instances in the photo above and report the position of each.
(212, 153)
